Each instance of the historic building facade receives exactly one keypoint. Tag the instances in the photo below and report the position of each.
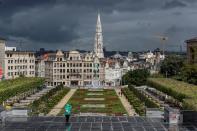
(72, 69)
(19, 63)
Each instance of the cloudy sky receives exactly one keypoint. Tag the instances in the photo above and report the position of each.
(70, 24)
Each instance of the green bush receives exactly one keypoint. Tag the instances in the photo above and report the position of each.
(183, 92)
(136, 77)
(149, 103)
(134, 101)
(164, 88)
(48, 101)
(10, 88)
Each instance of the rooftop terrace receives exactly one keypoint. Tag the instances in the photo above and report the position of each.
(92, 123)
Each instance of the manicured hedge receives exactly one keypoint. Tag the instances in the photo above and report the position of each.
(148, 103)
(137, 104)
(167, 88)
(48, 101)
(10, 88)
(183, 92)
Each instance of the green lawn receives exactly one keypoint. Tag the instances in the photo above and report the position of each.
(113, 105)
(184, 92)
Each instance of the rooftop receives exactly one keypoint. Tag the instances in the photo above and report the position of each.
(191, 40)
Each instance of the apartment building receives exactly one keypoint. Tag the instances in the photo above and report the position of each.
(19, 63)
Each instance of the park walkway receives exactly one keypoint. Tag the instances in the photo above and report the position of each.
(60, 105)
(125, 103)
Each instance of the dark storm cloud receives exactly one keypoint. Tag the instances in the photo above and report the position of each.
(174, 4)
(69, 24)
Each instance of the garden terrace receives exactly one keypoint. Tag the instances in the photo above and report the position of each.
(48, 101)
(10, 88)
(149, 103)
(104, 101)
(184, 92)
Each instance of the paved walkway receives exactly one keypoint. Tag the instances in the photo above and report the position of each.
(61, 104)
(126, 104)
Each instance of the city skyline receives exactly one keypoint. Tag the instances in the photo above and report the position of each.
(49, 24)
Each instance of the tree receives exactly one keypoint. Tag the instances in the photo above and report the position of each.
(136, 77)
(189, 73)
(171, 66)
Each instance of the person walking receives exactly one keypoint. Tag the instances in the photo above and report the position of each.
(67, 112)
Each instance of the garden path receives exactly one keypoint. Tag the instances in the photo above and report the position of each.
(125, 103)
(60, 105)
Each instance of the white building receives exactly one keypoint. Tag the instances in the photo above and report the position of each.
(10, 48)
(19, 63)
(40, 67)
(112, 74)
(130, 57)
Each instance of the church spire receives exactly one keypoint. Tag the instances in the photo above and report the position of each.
(98, 25)
(98, 45)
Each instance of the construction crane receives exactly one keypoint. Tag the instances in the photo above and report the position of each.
(18, 42)
(163, 40)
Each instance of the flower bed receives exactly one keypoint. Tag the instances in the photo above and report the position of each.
(10, 88)
(111, 101)
(184, 92)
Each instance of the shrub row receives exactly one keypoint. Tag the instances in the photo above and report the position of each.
(10, 88)
(48, 101)
(183, 92)
(148, 103)
(134, 101)
(164, 88)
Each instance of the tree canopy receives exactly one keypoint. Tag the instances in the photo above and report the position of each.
(136, 77)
